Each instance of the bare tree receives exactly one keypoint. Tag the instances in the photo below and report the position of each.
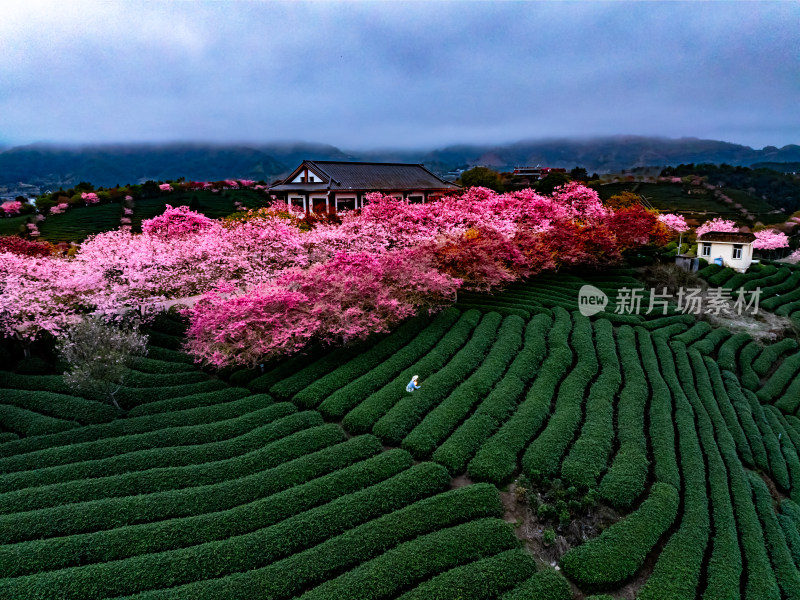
(99, 356)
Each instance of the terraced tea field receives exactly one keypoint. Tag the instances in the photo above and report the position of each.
(320, 477)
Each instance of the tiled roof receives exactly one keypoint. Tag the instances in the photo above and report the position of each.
(727, 236)
(371, 176)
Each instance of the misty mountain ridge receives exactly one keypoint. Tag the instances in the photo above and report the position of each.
(108, 165)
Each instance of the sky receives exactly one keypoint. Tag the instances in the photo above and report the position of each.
(393, 74)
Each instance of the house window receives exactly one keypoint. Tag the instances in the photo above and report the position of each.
(298, 202)
(737, 252)
(706, 250)
(345, 204)
(415, 199)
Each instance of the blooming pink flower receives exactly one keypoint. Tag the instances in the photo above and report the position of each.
(165, 187)
(675, 222)
(90, 197)
(718, 224)
(769, 239)
(12, 207)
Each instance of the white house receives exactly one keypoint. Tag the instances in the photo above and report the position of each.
(734, 250)
(329, 186)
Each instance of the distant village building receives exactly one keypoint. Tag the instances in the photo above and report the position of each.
(729, 249)
(330, 186)
(536, 172)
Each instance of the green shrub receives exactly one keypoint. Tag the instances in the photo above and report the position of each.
(694, 333)
(497, 458)
(625, 479)
(719, 278)
(238, 455)
(167, 355)
(317, 391)
(544, 455)
(287, 535)
(746, 418)
(155, 366)
(709, 343)
(162, 340)
(364, 416)
(619, 552)
(275, 510)
(726, 358)
(146, 458)
(746, 357)
(445, 417)
(293, 575)
(26, 423)
(131, 397)
(187, 424)
(341, 401)
(771, 354)
(709, 271)
(780, 379)
(60, 406)
(7, 436)
(725, 406)
(480, 580)
(170, 405)
(409, 411)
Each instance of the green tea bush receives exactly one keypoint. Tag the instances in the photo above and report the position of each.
(341, 401)
(445, 417)
(409, 411)
(26, 423)
(619, 552)
(364, 416)
(770, 355)
(499, 405)
(60, 406)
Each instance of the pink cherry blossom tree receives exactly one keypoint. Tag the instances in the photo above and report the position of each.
(717, 224)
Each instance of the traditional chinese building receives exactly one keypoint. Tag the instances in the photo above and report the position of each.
(729, 249)
(331, 186)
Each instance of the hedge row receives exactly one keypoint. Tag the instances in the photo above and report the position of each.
(719, 278)
(677, 572)
(765, 282)
(544, 455)
(169, 355)
(155, 366)
(662, 428)
(760, 577)
(355, 388)
(785, 374)
(193, 426)
(661, 322)
(787, 285)
(785, 570)
(777, 464)
(445, 417)
(710, 270)
(789, 401)
(619, 552)
(726, 357)
(7, 436)
(364, 416)
(27, 423)
(298, 380)
(709, 343)
(783, 303)
(547, 584)
(506, 310)
(694, 333)
(409, 411)
(726, 408)
(753, 274)
(498, 406)
(60, 406)
(481, 580)
(287, 530)
(418, 559)
(748, 376)
(101, 513)
(283, 369)
(770, 355)
(724, 568)
(249, 435)
(160, 536)
(289, 577)
(625, 479)
(745, 414)
(316, 392)
(789, 519)
(497, 458)
(588, 458)
(129, 397)
(194, 401)
(162, 340)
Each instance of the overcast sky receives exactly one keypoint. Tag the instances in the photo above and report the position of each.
(397, 74)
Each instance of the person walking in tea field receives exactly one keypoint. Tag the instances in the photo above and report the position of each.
(412, 385)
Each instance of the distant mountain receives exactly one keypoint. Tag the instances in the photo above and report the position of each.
(53, 166)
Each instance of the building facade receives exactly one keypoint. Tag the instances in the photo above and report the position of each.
(734, 250)
(330, 186)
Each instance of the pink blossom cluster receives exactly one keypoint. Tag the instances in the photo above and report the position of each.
(90, 198)
(59, 209)
(793, 258)
(12, 207)
(675, 222)
(165, 187)
(33, 230)
(718, 224)
(176, 222)
(769, 239)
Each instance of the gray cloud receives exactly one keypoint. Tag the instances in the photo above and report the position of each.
(398, 74)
